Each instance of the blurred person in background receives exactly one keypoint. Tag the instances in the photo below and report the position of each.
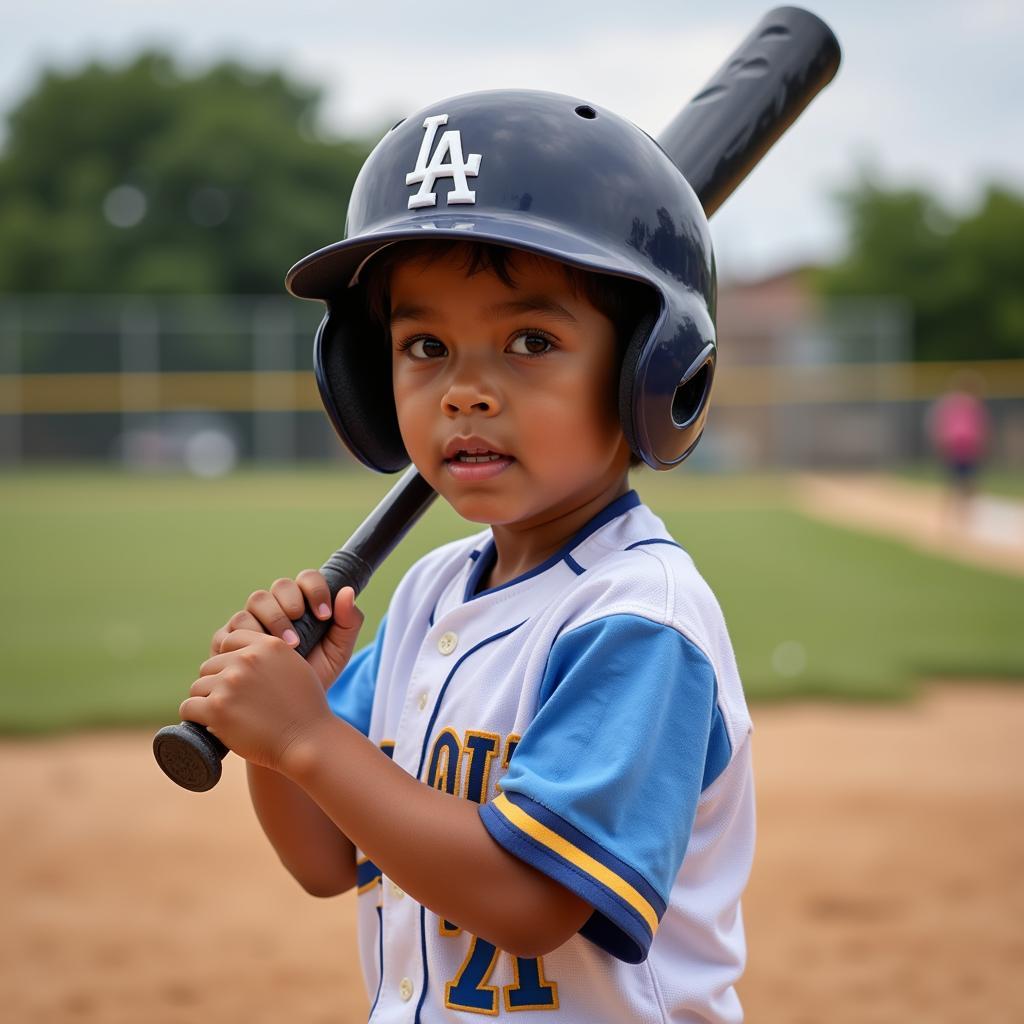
(959, 428)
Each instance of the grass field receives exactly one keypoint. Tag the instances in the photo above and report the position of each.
(114, 584)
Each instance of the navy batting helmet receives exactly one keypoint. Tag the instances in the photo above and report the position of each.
(551, 175)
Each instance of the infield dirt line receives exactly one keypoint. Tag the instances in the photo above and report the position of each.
(990, 534)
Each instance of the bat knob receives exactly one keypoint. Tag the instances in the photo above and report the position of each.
(189, 755)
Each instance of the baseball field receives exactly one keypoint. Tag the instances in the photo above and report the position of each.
(883, 677)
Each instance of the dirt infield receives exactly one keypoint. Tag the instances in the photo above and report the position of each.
(888, 884)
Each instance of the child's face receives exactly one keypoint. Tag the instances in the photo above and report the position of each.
(528, 372)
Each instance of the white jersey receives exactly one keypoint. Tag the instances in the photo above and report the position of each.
(592, 707)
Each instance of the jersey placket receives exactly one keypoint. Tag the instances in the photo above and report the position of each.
(404, 973)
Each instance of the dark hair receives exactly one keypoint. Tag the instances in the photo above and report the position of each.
(622, 300)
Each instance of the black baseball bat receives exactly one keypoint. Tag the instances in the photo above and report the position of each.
(715, 141)
(760, 90)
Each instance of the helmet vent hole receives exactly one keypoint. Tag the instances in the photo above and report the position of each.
(401, 120)
(689, 398)
(588, 112)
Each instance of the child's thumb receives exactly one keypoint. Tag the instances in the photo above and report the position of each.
(340, 640)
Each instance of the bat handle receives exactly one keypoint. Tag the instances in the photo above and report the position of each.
(188, 753)
(191, 755)
(342, 569)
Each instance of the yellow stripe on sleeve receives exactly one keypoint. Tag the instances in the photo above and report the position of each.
(553, 841)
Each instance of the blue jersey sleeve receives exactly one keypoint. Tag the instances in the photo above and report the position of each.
(602, 789)
(351, 695)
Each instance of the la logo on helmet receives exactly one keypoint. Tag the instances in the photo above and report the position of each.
(457, 168)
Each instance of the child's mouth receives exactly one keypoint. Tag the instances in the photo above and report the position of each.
(477, 465)
(488, 457)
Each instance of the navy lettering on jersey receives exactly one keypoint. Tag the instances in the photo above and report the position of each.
(481, 748)
(445, 763)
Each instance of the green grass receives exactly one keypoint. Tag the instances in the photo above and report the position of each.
(114, 584)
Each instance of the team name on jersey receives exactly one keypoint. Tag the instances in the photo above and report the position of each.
(462, 765)
(458, 765)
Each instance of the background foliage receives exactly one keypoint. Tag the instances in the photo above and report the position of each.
(146, 178)
(235, 181)
(963, 275)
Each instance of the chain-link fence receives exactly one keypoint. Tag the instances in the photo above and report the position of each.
(203, 382)
(199, 381)
(836, 387)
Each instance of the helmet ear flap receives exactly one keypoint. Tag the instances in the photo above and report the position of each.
(663, 389)
(692, 392)
(628, 379)
(353, 372)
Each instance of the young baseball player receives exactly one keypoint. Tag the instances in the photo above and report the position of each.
(537, 774)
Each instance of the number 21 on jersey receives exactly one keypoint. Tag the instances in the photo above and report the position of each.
(469, 990)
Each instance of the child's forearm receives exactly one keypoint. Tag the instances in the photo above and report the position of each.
(431, 844)
(309, 844)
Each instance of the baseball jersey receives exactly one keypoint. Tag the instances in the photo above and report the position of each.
(593, 709)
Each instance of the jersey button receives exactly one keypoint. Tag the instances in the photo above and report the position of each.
(422, 701)
(448, 642)
(405, 989)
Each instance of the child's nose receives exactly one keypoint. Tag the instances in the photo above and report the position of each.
(465, 397)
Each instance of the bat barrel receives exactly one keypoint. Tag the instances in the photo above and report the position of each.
(764, 86)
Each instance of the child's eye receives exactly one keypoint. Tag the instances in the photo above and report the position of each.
(423, 348)
(530, 343)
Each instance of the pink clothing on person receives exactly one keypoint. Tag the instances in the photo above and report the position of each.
(960, 427)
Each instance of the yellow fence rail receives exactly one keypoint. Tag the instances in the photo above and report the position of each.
(863, 382)
(242, 391)
(295, 391)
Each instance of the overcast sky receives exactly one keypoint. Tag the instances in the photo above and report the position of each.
(929, 91)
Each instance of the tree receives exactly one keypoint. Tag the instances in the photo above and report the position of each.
(142, 178)
(963, 275)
